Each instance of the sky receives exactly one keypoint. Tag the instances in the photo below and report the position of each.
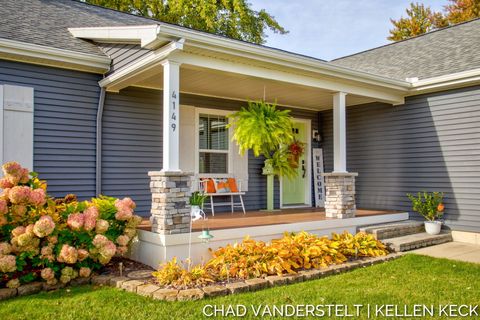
(329, 29)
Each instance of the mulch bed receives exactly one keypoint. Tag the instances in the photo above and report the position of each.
(127, 265)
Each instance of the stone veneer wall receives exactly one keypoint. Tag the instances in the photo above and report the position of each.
(340, 195)
(170, 195)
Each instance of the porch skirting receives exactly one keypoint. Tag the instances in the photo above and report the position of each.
(154, 248)
(340, 195)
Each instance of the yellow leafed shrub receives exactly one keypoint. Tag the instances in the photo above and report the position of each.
(360, 245)
(172, 274)
(253, 259)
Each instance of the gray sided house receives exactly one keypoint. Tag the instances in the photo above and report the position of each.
(82, 103)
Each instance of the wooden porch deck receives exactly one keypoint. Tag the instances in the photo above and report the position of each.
(227, 220)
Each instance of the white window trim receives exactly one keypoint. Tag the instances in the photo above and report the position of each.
(214, 112)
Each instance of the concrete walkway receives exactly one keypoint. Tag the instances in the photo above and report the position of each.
(453, 250)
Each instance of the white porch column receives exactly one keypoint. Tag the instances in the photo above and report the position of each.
(339, 133)
(171, 115)
(340, 184)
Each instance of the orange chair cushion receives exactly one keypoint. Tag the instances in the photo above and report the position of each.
(232, 184)
(209, 186)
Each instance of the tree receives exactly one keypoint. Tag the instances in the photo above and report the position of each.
(462, 10)
(420, 19)
(231, 18)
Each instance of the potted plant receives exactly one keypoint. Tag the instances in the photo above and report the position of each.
(266, 131)
(430, 206)
(196, 203)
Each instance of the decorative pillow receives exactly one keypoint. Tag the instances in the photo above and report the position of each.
(232, 184)
(222, 185)
(208, 185)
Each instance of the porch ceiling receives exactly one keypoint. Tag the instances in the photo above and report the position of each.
(203, 81)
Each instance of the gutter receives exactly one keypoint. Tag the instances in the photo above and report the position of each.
(469, 77)
(98, 153)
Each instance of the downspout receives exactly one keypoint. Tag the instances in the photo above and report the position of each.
(98, 154)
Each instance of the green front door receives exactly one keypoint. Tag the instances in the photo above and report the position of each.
(293, 190)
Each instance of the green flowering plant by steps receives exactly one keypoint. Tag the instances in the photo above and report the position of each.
(57, 239)
(428, 204)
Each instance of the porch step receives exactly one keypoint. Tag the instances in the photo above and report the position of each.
(395, 229)
(417, 240)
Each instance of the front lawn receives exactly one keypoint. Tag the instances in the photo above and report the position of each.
(409, 280)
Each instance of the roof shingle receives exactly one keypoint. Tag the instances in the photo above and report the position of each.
(46, 22)
(441, 52)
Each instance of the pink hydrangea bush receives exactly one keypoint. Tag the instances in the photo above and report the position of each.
(57, 240)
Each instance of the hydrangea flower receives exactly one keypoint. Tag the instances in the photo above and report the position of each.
(68, 274)
(47, 274)
(44, 226)
(84, 272)
(99, 240)
(8, 263)
(90, 217)
(52, 239)
(18, 210)
(121, 250)
(47, 253)
(19, 194)
(5, 248)
(38, 197)
(68, 254)
(5, 183)
(124, 209)
(101, 226)
(82, 254)
(123, 240)
(13, 284)
(18, 231)
(11, 168)
(130, 232)
(75, 221)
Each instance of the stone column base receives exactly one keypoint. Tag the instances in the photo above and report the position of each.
(340, 195)
(170, 197)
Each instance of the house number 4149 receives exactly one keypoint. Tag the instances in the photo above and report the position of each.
(173, 119)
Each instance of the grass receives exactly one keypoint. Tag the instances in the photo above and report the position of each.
(412, 279)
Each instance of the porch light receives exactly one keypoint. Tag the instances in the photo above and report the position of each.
(205, 236)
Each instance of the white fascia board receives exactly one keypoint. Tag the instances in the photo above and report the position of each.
(147, 35)
(60, 57)
(119, 79)
(453, 80)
